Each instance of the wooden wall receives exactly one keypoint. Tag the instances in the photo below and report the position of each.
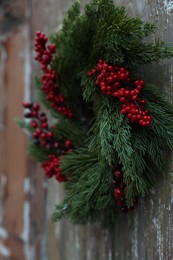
(26, 231)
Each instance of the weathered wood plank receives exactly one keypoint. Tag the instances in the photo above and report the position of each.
(14, 165)
(22, 192)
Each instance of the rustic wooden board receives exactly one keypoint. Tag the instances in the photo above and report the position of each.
(22, 189)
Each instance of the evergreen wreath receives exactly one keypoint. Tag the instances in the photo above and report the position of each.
(111, 128)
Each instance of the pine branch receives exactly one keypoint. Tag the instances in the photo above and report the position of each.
(24, 123)
(162, 113)
(149, 28)
(69, 130)
(90, 92)
(68, 21)
(111, 140)
(83, 167)
(37, 152)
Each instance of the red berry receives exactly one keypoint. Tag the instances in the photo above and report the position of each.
(127, 109)
(118, 173)
(136, 82)
(140, 87)
(115, 77)
(35, 107)
(141, 82)
(43, 119)
(132, 92)
(26, 104)
(122, 99)
(103, 88)
(149, 118)
(144, 124)
(44, 125)
(35, 135)
(110, 79)
(118, 193)
(60, 177)
(68, 143)
(34, 113)
(139, 117)
(122, 76)
(122, 69)
(115, 94)
(43, 135)
(50, 134)
(34, 124)
(71, 150)
(56, 144)
(108, 88)
(134, 117)
(93, 71)
(105, 66)
(145, 112)
(126, 93)
(38, 131)
(134, 98)
(123, 111)
(143, 101)
(52, 48)
(137, 91)
(43, 143)
(28, 115)
(129, 115)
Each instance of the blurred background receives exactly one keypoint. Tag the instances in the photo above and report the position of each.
(26, 198)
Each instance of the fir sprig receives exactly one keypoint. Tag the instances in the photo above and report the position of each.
(84, 203)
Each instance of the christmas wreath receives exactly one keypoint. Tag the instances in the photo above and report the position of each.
(111, 129)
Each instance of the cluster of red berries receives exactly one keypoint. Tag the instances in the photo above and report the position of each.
(119, 191)
(115, 81)
(43, 134)
(50, 78)
(51, 168)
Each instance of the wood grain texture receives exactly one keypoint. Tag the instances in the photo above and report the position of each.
(22, 189)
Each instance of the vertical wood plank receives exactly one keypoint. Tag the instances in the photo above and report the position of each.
(22, 190)
(15, 162)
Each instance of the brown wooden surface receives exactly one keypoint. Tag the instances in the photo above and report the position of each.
(147, 233)
(22, 189)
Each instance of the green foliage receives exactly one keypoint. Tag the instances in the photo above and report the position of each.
(70, 131)
(42, 98)
(37, 152)
(107, 32)
(24, 124)
(102, 136)
(87, 194)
